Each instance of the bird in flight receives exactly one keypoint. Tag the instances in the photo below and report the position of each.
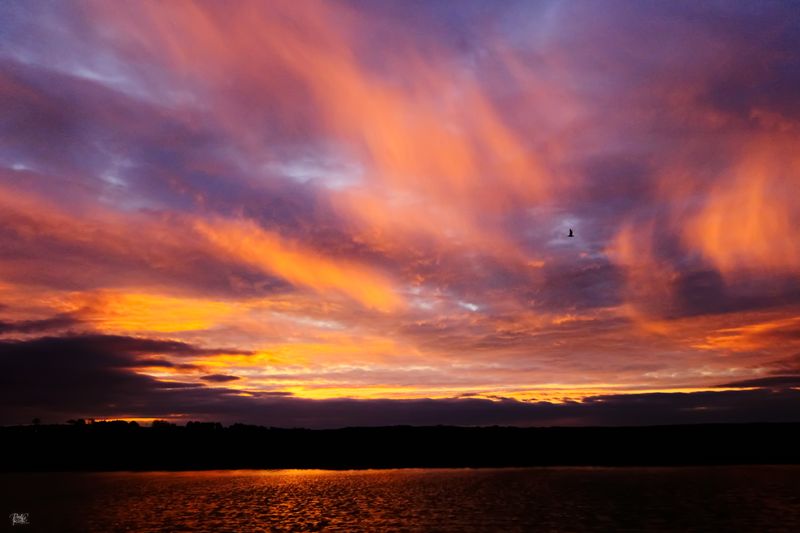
(570, 233)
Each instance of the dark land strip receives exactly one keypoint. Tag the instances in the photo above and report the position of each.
(108, 446)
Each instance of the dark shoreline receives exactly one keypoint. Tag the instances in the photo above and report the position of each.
(119, 446)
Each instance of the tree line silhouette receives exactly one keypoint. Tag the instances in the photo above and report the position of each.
(120, 445)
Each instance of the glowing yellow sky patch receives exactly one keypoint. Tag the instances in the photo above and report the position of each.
(310, 366)
(260, 360)
(124, 312)
(137, 419)
(544, 394)
(365, 392)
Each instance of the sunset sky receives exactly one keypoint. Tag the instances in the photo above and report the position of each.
(339, 213)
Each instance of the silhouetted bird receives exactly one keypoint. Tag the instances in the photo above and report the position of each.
(570, 233)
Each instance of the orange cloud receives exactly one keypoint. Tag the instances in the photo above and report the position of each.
(749, 217)
(648, 281)
(764, 333)
(246, 242)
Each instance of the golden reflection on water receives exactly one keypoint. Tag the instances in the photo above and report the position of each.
(532, 499)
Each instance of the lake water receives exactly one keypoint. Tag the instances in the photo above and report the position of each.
(755, 498)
